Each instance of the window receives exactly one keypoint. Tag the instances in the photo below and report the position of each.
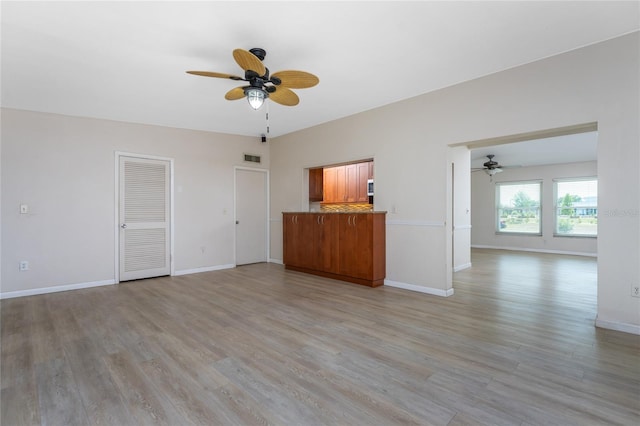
(518, 208)
(576, 207)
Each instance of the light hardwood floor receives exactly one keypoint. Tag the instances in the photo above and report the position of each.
(515, 345)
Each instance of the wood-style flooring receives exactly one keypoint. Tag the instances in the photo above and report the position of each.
(515, 345)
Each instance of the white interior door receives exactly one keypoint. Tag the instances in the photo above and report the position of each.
(251, 216)
(144, 218)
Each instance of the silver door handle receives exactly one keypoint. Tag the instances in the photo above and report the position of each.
(123, 226)
(237, 222)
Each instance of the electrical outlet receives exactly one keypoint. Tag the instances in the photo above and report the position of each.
(635, 290)
(24, 265)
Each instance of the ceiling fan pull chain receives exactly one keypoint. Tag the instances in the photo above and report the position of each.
(267, 118)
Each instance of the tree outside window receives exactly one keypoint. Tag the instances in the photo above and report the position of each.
(518, 207)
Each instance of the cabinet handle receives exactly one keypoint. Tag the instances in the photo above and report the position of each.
(354, 220)
(318, 220)
(349, 221)
(323, 220)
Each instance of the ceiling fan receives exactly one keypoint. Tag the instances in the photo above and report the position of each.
(491, 167)
(261, 85)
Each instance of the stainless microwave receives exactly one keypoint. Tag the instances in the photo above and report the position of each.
(370, 187)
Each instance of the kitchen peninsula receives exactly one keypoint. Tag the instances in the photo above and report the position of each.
(348, 246)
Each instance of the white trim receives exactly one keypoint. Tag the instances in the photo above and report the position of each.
(618, 326)
(204, 269)
(415, 222)
(267, 207)
(116, 204)
(458, 227)
(419, 288)
(278, 261)
(54, 289)
(572, 253)
(461, 267)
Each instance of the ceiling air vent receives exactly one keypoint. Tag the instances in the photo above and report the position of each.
(252, 158)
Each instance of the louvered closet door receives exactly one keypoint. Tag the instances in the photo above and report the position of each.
(144, 218)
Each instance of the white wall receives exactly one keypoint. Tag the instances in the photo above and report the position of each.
(409, 142)
(483, 210)
(63, 168)
(461, 207)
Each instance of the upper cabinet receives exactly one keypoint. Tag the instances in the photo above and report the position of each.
(363, 176)
(346, 184)
(316, 184)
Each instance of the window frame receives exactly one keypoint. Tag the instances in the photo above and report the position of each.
(497, 207)
(556, 207)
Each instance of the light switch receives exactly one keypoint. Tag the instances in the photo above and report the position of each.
(24, 209)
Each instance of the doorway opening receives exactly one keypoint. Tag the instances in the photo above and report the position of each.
(506, 215)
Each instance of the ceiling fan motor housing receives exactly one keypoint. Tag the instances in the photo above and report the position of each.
(260, 53)
(491, 164)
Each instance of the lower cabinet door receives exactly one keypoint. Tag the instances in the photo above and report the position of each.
(297, 240)
(326, 242)
(355, 255)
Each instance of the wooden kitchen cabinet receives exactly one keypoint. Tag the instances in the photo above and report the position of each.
(363, 177)
(344, 246)
(330, 184)
(362, 246)
(316, 179)
(309, 241)
(346, 184)
(351, 184)
(325, 245)
(297, 233)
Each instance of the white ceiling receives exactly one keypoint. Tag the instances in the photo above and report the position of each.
(126, 61)
(555, 150)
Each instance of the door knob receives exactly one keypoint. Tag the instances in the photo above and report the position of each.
(123, 226)
(237, 222)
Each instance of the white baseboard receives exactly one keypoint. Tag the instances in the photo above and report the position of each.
(461, 267)
(572, 253)
(67, 287)
(204, 269)
(618, 326)
(278, 261)
(419, 288)
(54, 289)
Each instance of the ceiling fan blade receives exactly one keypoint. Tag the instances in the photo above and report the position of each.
(296, 79)
(235, 93)
(249, 61)
(215, 74)
(284, 96)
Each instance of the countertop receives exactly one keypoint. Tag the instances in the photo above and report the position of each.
(338, 212)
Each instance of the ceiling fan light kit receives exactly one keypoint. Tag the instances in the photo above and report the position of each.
(255, 97)
(276, 87)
